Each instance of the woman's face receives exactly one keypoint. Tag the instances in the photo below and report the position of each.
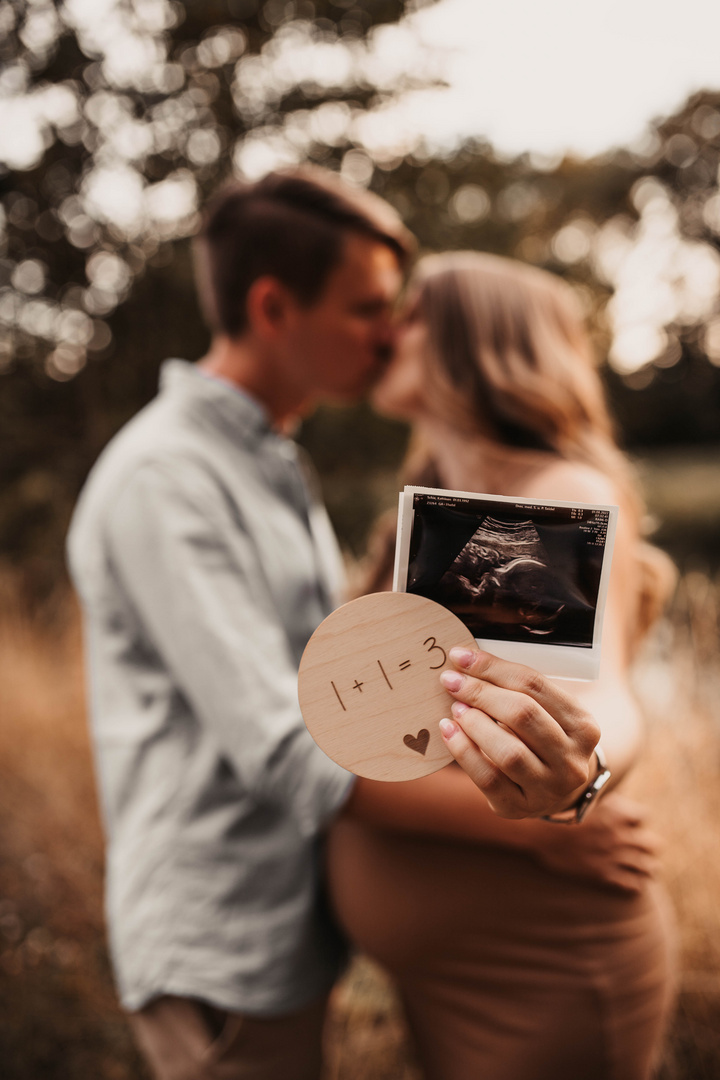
(402, 391)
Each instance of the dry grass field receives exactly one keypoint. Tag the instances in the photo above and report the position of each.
(58, 1015)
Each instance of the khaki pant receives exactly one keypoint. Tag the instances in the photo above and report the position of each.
(183, 1039)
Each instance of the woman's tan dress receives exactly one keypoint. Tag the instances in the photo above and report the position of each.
(507, 971)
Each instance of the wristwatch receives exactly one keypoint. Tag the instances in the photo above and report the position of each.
(575, 813)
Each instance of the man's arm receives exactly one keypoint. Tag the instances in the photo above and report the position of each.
(191, 573)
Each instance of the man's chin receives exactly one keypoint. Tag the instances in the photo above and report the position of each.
(376, 376)
(347, 395)
(364, 386)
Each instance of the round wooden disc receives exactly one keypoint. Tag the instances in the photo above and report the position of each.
(369, 685)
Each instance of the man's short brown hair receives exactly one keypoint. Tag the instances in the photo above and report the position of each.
(290, 225)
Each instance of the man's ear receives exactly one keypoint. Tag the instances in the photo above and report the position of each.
(269, 305)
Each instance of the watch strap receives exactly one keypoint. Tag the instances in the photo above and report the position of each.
(579, 809)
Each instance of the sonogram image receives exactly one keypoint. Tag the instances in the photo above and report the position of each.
(510, 572)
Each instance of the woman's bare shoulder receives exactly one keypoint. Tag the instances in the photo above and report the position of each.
(571, 481)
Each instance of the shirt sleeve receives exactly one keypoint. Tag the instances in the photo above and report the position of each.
(192, 574)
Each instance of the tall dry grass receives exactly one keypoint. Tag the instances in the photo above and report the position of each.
(678, 681)
(58, 1014)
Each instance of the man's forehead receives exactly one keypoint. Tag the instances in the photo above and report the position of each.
(367, 262)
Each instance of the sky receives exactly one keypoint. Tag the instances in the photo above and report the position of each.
(557, 75)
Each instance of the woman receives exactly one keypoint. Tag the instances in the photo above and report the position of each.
(544, 952)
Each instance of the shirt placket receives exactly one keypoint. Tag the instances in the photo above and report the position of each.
(299, 483)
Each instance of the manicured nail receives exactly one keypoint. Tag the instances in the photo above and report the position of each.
(459, 707)
(462, 657)
(451, 681)
(448, 729)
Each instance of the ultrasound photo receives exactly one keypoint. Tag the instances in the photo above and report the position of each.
(511, 570)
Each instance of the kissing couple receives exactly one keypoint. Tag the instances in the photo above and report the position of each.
(241, 861)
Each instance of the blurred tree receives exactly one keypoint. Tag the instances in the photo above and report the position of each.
(659, 252)
(117, 118)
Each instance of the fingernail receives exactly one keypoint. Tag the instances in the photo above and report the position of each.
(461, 657)
(451, 681)
(448, 729)
(459, 707)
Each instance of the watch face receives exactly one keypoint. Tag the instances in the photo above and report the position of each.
(590, 795)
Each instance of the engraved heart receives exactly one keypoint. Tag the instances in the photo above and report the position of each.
(418, 742)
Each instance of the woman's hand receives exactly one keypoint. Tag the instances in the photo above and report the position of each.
(525, 742)
(612, 846)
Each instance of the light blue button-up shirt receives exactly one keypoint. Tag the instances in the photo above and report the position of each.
(203, 566)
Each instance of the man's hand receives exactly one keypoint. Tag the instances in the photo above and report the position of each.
(527, 744)
(612, 847)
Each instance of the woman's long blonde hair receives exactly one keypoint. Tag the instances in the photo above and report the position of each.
(510, 360)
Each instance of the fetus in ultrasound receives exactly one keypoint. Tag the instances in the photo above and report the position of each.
(502, 584)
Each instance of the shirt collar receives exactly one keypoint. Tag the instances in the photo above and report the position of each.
(233, 408)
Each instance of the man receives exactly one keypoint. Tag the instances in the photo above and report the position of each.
(204, 563)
